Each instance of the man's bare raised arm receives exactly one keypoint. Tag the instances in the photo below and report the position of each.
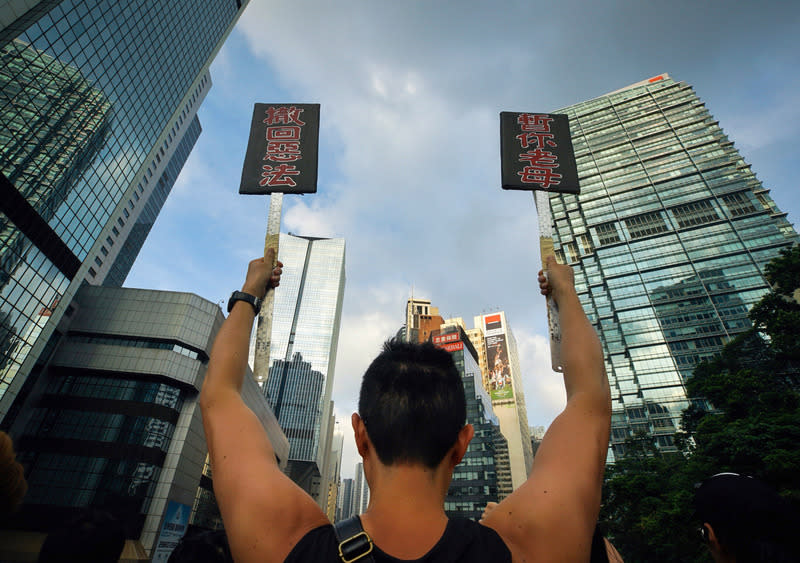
(551, 517)
(264, 512)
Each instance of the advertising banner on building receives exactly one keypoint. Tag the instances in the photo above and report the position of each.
(500, 385)
(283, 150)
(536, 152)
(174, 527)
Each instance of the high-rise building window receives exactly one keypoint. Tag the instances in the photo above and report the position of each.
(646, 224)
(764, 202)
(586, 243)
(739, 204)
(607, 233)
(695, 213)
(572, 251)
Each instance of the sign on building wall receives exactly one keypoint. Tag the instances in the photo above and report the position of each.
(283, 150)
(450, 342)
(176, 520)
(536, 152)
(500, 383)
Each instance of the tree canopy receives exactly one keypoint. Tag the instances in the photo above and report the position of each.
(744, 418)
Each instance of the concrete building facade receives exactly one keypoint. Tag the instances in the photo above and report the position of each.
(505, 390)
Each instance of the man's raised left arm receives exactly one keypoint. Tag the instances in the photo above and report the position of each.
(264, 512)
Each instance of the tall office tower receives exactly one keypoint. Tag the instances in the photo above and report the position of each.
(305, 335)
(346, 509)
(421, 320)
(537, 433)
(478, 341)
(474, 480)
(505, 389)
(114, 421)
(670, 235)
(360, 490)
(335, 472)
(97, 102)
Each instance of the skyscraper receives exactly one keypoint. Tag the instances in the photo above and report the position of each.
(360, 490)
(97, 111)
(345, 508)
(305, 335)
(421, 320)
(670, 233)
(505, 390)
(474, 480)
(335, 473)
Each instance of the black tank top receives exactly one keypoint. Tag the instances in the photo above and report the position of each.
(463, 541)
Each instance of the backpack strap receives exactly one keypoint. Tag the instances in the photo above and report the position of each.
(354, 543)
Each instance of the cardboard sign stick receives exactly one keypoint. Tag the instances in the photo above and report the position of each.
(264, 329)
(542, 202)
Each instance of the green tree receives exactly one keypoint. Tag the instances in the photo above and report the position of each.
(745, 418)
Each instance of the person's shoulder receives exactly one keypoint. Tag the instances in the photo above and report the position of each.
(319, 544)
(473, 542)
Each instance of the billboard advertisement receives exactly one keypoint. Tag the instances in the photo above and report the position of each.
(500, 386)
(283, 150)
(173, 528)
(536, 152)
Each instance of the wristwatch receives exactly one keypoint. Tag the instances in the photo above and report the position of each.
(242, 296)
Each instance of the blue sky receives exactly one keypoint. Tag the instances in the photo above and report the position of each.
(410, 94)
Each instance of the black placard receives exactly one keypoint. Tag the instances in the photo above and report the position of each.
(536, 152)
(283, 150)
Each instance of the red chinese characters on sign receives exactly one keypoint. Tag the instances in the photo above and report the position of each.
(283, 115)
(541, 163)
(284, 127)
(283, 152)
(278, 175)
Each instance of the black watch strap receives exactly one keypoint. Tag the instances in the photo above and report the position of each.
(242, 296)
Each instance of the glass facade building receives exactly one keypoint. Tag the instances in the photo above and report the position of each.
(305, 335)
(669, 238)
(114, 421)
(96, 97)
(141, 225)
(475, 478)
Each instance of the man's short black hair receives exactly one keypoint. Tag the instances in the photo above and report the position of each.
(412, 403)
(751, 521)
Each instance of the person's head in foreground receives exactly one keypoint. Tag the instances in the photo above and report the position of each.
(412, 405)
(12, 477)
(743, 520)
(93, 535)
(208, 546)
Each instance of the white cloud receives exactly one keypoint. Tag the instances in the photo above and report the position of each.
(545, 395)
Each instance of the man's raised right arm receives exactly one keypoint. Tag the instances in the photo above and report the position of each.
(551, 517)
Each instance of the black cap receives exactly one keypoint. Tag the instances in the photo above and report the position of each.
(737, 505)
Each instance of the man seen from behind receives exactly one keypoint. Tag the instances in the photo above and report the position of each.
(411, 433)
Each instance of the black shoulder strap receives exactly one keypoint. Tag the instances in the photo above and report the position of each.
(354, 543)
